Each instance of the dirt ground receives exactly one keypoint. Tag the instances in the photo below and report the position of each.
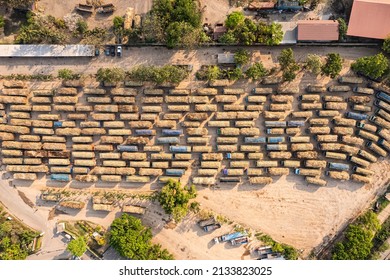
(60, 9)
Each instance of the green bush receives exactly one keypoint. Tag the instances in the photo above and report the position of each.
(242, 57)
(256, 71)
(342, 29)
(333, 65)
(371, 66)
(386, 45)
(133, 240)
(77, 247)
(110, 75)
(286, 58)
(313, 64)
(67, 74)
(234, 19)
(174, 198)
(210, 73)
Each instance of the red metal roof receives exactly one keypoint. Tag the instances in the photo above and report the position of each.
(318, 30)
(370, 19)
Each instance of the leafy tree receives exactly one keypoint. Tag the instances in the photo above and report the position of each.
(290, 72)
(174, 198)
(181, 34)
(342, 29)
(234, 19)
(82, 27)
(333, 65)
(256, 71)
(286, 58)
(118, 25)
(77, 247)
(133, 240)
(386, 45)
(358, 239)
(371, 66)
(242, 57)
(110, 75)
(245, 32)
(211, 73)
(269, 35)
(313, 64)
(228, 38)
(234, 74)
(186, 11)
(67, 74)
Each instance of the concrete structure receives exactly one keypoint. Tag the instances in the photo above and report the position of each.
(370, 19)
(47, 50)
(226, 58)
(318, 30)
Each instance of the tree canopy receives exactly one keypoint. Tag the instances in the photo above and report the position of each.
(234, 19)
(256, 71)
(133, 240)
(242, 57)
(358, 239)
(110, 75)
(177, 22)
(371, 66)
(77, 247)
(159, 75)
(333, 65)
(174, 198)
(313, 64)
(286, 58)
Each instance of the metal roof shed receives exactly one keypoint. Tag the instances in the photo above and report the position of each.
(47, 50)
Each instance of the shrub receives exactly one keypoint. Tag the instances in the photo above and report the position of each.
(333, 65)
(373, 67)
(313, 64)
(110, 75)
(286, 58)
(256, 71)
(241, 57)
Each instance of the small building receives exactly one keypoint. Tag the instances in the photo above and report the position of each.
(219, 30)
(370, 19)
(318, 30)
(47, 50)
(60, 228)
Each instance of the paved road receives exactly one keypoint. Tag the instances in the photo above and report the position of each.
(52, 245)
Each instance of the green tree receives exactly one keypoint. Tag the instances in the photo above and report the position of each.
(313, 64)
(133, 240)
(234, 19)
(290, 72)
(187, 11)
(228, 38)
(269, 35)
(234, 74)
(110, 75)
(67, 74)
(77, 247)
(333, 65)
(256, 71)
(245, 32)
(242, 57)
(342, 29)
(82, 27)
(286, 58)
(211, 73)
(371, 66)
(174, 198)
(182, 34)
(386, 45)
(118, 23)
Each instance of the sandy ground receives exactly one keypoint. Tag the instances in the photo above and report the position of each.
(61, 8)
(288, 210)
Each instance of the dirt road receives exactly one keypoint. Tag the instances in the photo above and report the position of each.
(160, 56)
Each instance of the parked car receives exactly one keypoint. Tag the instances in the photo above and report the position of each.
(112, 50)
(97, 52)
(119, 51)
(107, 51)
